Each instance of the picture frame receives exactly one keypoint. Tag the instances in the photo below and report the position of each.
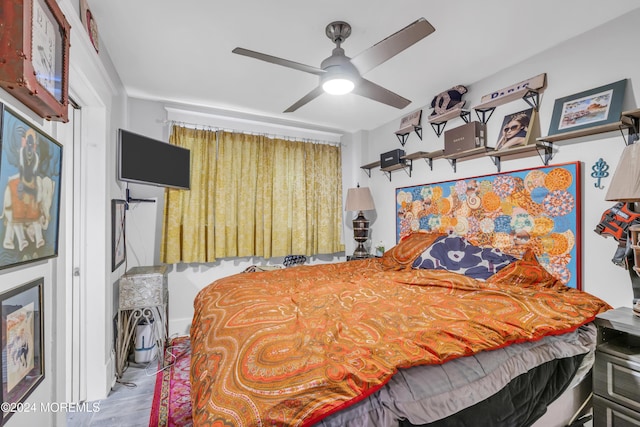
(30, 177)
(518, 129)
(35, 50)
(595, 107)
(536, 208)
(118, 241)
(22, 344)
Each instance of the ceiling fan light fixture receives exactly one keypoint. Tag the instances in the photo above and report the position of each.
(338, 85)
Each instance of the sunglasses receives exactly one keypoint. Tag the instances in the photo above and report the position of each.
(512, 128)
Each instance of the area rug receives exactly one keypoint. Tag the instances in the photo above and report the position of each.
(172, 396)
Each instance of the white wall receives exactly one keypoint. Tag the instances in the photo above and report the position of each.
(596, 58)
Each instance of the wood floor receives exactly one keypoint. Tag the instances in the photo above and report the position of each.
(128, 403)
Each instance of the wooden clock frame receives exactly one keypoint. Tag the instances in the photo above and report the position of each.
(17, 75)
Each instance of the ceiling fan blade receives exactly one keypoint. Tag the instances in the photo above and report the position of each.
(392, 45)
(371, 90)
(279, 61)
(305, 99)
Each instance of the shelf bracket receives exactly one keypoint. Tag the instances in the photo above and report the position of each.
(466, 116)
(438, 128)
(532, 97)
(497, 162)
(484, 114)
(418, 131)
(546, 154)
(403, 137)
(634, 131)
(429, 161)
(367, 171)
(453, 163)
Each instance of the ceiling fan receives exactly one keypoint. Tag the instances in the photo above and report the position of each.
(340, 74)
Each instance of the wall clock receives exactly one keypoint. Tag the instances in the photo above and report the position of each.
(34, 56)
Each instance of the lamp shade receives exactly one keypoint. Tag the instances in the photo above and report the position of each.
(625, 184)
(359, 199)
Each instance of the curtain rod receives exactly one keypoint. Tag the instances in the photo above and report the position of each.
(268, 135)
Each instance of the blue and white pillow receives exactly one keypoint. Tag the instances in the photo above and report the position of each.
(457, 254)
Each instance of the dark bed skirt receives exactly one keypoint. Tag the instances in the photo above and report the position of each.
(520, 403)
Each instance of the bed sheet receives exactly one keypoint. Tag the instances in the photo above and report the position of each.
(425, 394)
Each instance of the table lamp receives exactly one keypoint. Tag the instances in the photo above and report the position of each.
(625, 187)
(359, 199)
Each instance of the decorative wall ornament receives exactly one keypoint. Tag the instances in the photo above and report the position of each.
(600, 170)
(535, 208)
(448, 100)
(536, 83)
(89, 23)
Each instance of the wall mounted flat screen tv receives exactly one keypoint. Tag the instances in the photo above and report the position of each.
(144, 160)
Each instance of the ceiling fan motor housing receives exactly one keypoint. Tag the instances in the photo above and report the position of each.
(338, 31)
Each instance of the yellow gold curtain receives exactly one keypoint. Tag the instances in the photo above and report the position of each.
(253, 196)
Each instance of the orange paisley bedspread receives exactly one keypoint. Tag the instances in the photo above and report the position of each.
(291, 346)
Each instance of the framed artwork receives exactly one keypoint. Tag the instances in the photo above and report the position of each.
(595, 107)
(535, 208)
(518, 129)
(30, 169)
(22, 344)
(118, 247)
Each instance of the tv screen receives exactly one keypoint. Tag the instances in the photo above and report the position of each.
(145, 160)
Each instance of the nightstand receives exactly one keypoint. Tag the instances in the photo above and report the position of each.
(143, 298)
(616, 373)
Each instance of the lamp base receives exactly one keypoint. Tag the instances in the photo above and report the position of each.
(360, 235)
(360, 252)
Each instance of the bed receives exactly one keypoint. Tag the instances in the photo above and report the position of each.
(391, 341)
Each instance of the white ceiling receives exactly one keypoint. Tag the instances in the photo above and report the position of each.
(181, 51)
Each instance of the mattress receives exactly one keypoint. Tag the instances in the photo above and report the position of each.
(438, 395)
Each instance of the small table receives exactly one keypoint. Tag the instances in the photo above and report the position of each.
(144, 298)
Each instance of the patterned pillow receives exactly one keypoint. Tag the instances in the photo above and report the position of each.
(292, 260)
(526, 272)
(457, 254)
(402, 255)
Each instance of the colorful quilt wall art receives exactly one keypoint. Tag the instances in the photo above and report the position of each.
(535, 208)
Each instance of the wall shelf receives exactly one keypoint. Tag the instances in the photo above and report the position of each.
(407, 166)
(427, 156)
(439, 122)
(543, 149)
(626, 122)
(403, 134)
(407, 162)
(485, 110)
(367, 168)
(468, 155)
